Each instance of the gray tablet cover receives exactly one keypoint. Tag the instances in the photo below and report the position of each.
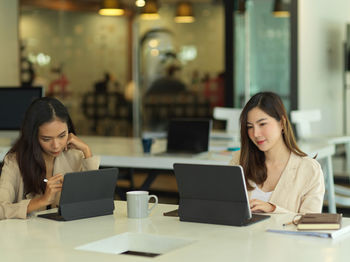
(213, 194)
(86, 194)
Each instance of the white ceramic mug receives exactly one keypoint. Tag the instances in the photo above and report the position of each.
(137, 202)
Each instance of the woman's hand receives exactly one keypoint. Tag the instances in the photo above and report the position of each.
(257, 205)
(76, 143)
(53, 185)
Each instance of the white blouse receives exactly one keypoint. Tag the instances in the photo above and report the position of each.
(257, 193)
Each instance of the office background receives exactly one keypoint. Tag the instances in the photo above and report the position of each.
(321, 33)
(82, 45)
(85, 45)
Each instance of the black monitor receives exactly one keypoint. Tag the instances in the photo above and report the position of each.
(14, 102)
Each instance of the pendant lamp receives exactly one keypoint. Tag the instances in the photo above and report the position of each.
(184, 13)
(280, 9)
(111, 8)
(140, 3)
(150, 10)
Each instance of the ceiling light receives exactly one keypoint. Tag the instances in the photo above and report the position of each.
(184, 13)
(153, 43)
(140, 3)
(280, 9)
(111, 8)
(150, 10)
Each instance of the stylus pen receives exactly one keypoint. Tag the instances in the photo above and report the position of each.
(46, 180)
(288, 223)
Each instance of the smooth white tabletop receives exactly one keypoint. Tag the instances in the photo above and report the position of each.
(39, 239)
(127, 152)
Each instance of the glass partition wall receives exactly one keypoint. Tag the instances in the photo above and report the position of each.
(79, 56)
(262, 52)
(70, 54)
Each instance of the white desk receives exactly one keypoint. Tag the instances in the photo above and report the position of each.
(342, 194)
(324, 152)
(38, 239)
(335, 140)
(214, 134)
(128, 153)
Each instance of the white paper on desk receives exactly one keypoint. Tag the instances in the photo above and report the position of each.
(292, 230)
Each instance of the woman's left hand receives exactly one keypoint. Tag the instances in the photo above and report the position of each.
(257, 205)
(76, 143)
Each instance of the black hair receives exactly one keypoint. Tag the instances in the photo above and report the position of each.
(27, 149)
(251, 158)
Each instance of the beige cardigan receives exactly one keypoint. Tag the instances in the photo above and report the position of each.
(13, 202)
(300, 188)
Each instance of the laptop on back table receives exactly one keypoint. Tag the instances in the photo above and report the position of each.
(188, 136)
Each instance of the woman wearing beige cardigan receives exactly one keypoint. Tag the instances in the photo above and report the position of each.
(32, 172)
(279, 176)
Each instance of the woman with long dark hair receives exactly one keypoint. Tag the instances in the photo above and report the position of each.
(279, 176)
(32, 172)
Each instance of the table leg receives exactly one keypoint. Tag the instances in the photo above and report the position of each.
(120, 193)
(347, 155)
(330, 186)
(152, 175)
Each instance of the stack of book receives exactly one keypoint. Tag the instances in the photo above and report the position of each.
(322, 221)
(318, 225)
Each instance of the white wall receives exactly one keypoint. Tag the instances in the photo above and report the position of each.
(322, 32)
(9, 51)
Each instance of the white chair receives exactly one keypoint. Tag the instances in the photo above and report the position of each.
(303, 119)
(231, 116)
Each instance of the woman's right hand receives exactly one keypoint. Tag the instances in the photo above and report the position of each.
(257, 205)
(53, 185)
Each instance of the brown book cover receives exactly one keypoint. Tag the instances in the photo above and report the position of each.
(321, 221)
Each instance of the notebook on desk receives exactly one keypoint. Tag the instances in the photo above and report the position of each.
(86, 194)
(291, 229)
(187, 136)
(214, 194)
